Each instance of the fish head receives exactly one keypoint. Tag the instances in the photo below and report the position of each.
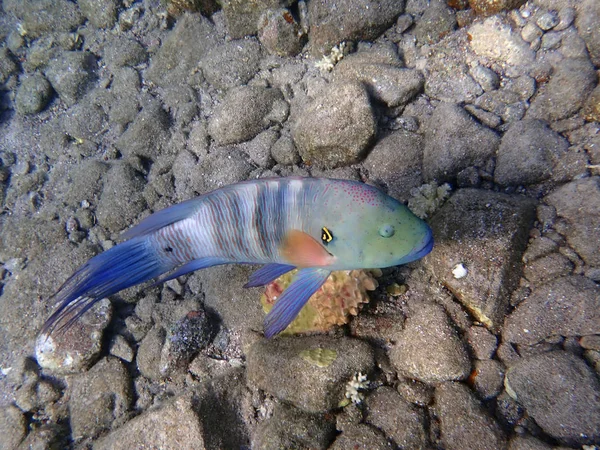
(365, 228)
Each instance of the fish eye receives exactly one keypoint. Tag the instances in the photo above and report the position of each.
(386, 230)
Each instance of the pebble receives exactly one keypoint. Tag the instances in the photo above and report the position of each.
(232, 63)
(547, 20)
(566, 16)
(487, 78)
(487, 378)
(531, 32)
(361, 437)
(33, 94)
(483, 343)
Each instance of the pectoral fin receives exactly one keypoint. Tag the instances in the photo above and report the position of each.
(267, 273)
(293, 299)
(302, 250)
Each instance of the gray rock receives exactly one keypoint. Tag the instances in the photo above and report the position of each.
(566, 306)
(531, 32)
(232, 63)
(483, 343)
(33, 94)
(174, 422)
(122, 51)
(588, 16)
(464, 423)
(99, 398)
(245, 112)
(279, 33)
(578, 203)
(71, 74)
(178, 57)
(332, 22)
(571, 83)
(398, 419)
(149, 353)
(428, 327)
(396, 161)
(494, 38)
(101, 14)
(486, 118)
(43, 16)
(284, 152)
(44, 437)
(259, 148)
(120, 348)
(76, 348)
(527, 442)
(487, 78)
(561, 393)
(488, 233)
(361, 437)
(437, 21)
(386, 82)
(292, 428)
(7, 65)
(242, 18)
(546, 268)
(528, 153)
(182, 104)
(121, 200)
(291, 370)
(13, 426)
(491, 7)
(453, 142)
(487, 378)
(147, 135)
(337, 128)
(85, 121)
(76, 183)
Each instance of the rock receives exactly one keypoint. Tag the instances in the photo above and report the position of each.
(33, 94)
(184, 340)
(99, 398)
(122, 52)
(245, 112)
(185, 46)
(71, 74)
(45, 437)
(43, 16)
(570, 85)
(464, 423)
(491, 7)
(279, 33)
(526, 442)
(299, 378)
(386, 82)
(259, 148)
(332, 22)
(487, 78)
(494, 38)
(335, 129)
(488, 233)
(453, 142)
(8, 67)
(396, 161)
(528, 153)
(360, 437)
(591, 108)
(547, 268)
(578, 202)
(120, 348)
(149, 353)
(487, 378)
(483, 343)
(147, 135)
(232, 63)
(76, 183)
(284, 152)
(588, 16)
(292, 428)
(242, 18)
(121, 200)
(436, 22)
(101, 14)
(173, 425)
(566, 306)
(398, 419)
(77, 347)
(13, 426)
(561, 393)
(85, 121)
(428, 327)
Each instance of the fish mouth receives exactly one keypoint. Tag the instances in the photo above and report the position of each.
(419, 250)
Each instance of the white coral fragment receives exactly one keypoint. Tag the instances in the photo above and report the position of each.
(328, 62)
(357, 383)
(427, 198)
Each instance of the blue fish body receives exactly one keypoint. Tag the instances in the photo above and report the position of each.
(318, 225)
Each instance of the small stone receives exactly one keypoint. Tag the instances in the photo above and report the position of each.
(100, 13)
(591, 342)
(360, 437)
(551, 40)
(302, 383)
(566, 16)
(436, 22)
(547, 268)
(147, 134)
(591, 107)
(149, 353)
(547, 20)
(487, 78)
(526, 442)
(232, 63)
(13, 426)
(33, 94)
(120, 348)
(429, 327)
(491, 7)
(122, 52)
(531, 32)
(561, 393)
(487, 378)
(39, 17)
(279, 33)
(71, 74)
(336, 130)
(464, 423)
(482, 342)
(284, 152)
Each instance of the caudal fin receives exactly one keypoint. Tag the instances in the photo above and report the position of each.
(129, 263)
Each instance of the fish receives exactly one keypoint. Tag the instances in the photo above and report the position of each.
(317, 225)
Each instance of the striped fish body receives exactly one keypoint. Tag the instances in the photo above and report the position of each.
(316, 224)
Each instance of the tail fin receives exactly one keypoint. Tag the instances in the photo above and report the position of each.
(129, 263)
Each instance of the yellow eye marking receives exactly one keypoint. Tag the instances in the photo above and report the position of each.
(326, 235)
